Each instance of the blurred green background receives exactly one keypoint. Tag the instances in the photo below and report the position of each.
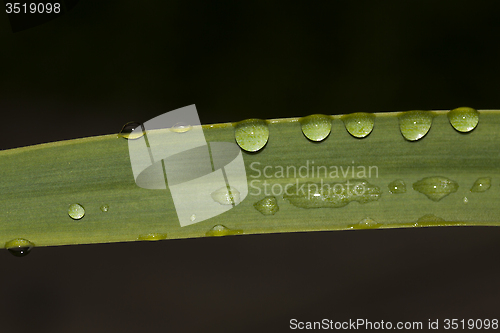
(105, 63)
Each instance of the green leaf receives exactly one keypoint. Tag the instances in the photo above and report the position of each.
(42, 185)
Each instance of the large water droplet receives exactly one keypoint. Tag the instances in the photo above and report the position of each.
(104, 208)
(226, 196)
(360, 124)
(463, 119)
(180, 127)
(481, 184)
(435, 188)
(220, 230)
(397, 186)
(128, 132)
(267, 206)
(367, 223)
(19, 247)
(76, 211)
(414, 125)
(152, 237)
(316, 127)
(252, 134)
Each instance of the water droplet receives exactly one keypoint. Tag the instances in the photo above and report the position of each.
(335, 195)
(128, 132)
(466, 201)
(19, 247)
(429, 218)
(435, 188)
(226, 196)
(252, 134)
(104, 208)
(367, 223)
(76, 211)
(180, 127)
(414, 125)
(481, 184)
(220, 230)
(316, 127)
(463, 119)
(360, 124)
(152, 237)
(193, 217)
(267, 206)
(397, 186)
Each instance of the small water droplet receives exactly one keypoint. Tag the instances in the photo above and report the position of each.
(226, 196)
(221, 230)
(397, 186)
(193, 217)
(414, 125)
(180, 127)
(463, 119)
(152, 237)
(252, 134)
(466, 201)
(435, 188)
(360, 124)
(76, 211)
(104, 208)
(267, 206)
(367, 223)
(127, 131)
(19, 247)
(316, 127)
(481, 184)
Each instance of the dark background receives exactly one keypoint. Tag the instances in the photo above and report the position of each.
(105, 63)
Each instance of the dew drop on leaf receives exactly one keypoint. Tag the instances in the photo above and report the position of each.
(152, 237)
(252, 134)
(226, 196)
(463, 119)
(19, 247)
(414, 125)
(481, 184)
(360, 124)
(221, 230)
(76, 211)
(436, 188)
(180, 127)
(316, 127)
(131, 131)
(267, 206)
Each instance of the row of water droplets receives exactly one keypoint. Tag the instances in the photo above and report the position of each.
(253, 134)
(435, 188)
